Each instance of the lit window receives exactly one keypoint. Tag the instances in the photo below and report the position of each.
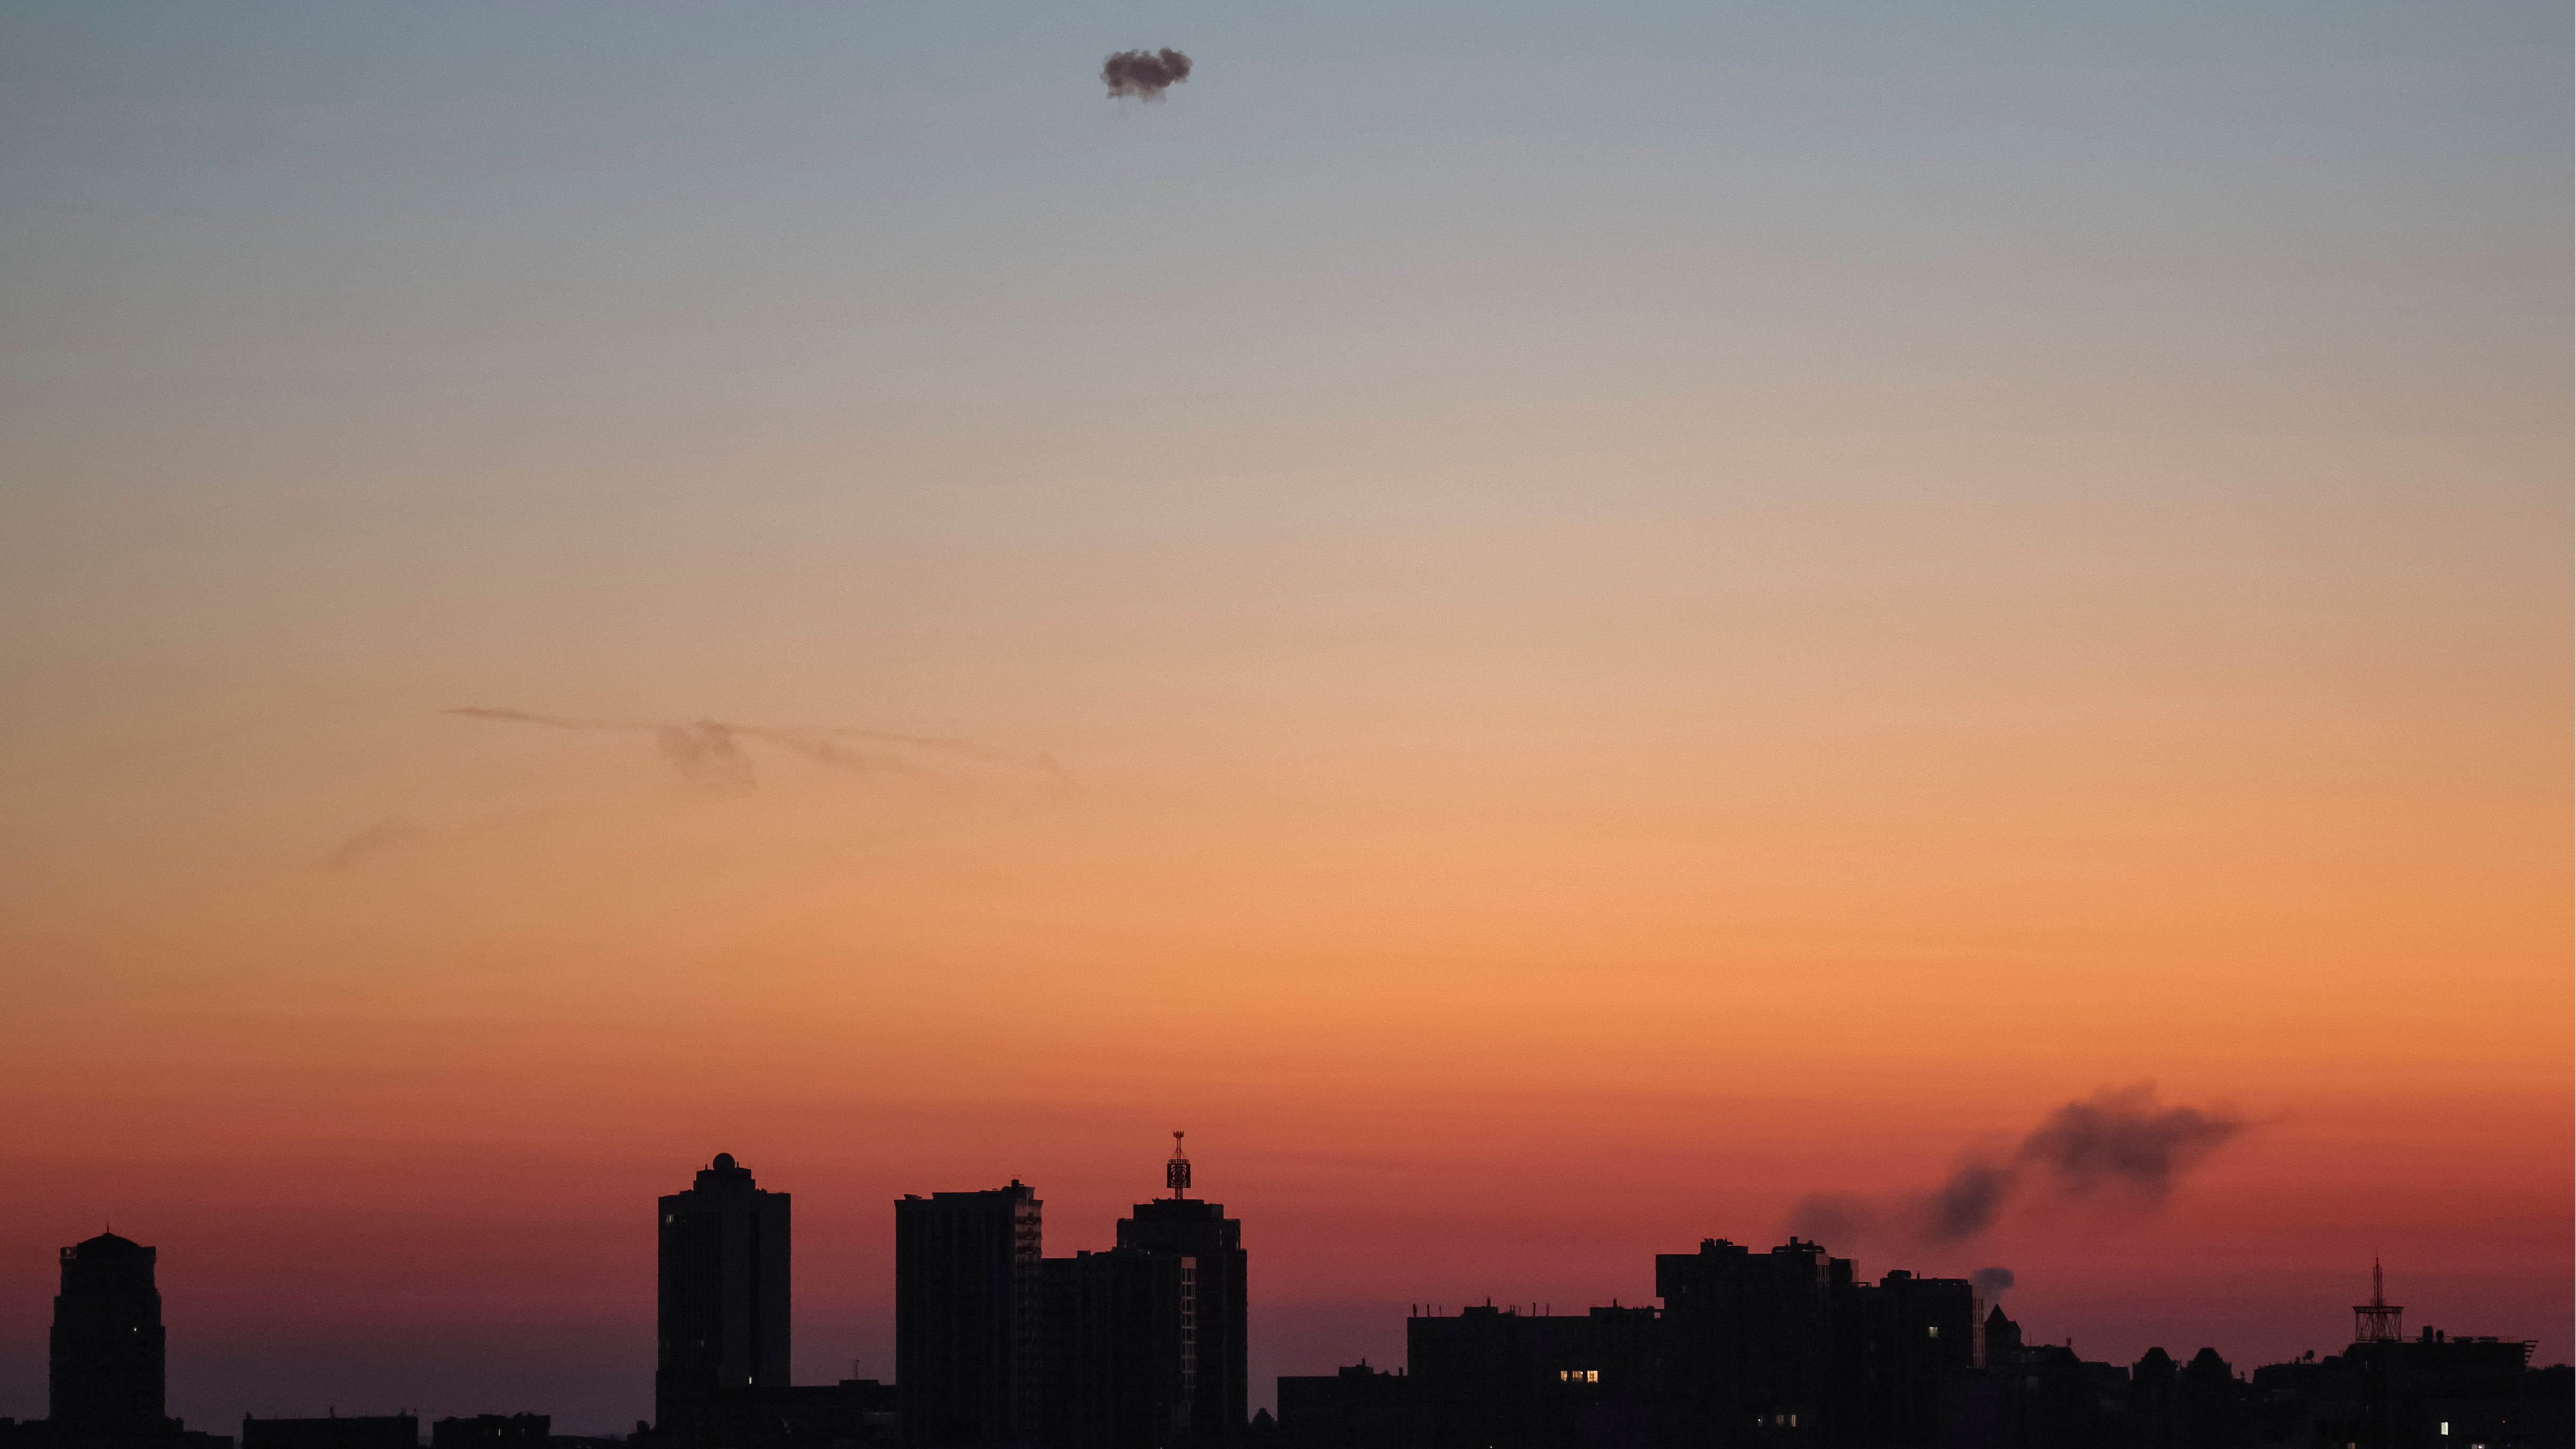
(1592, 1376)
(1932, 1330)
(2446, 1426)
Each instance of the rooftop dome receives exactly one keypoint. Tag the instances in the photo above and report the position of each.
(109, 1245)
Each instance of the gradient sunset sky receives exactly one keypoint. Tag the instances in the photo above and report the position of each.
(1553, 627)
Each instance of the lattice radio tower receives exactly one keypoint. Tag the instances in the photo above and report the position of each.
(1176, 1173)
(2378, 1321)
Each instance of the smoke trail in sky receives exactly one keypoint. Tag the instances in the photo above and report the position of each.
(2118, 1143)
(2119, 1140)
(708, 754)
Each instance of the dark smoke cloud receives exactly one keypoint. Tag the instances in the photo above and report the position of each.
(2118, 1143)
(1966, 1205)
(1991, 1281)
(2118, 1140)
(1144, 73)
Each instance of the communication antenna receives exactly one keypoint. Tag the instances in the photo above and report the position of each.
(2378, 1321)
(1176, 1173)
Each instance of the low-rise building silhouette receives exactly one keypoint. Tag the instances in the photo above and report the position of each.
(1789, 1348)
(492, 1431)
(334, 1431)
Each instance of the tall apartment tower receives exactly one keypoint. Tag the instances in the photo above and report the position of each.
(1215, 1376)
(967, 1319)
(1113, 1375)
(724, 1311)
(108, 1346)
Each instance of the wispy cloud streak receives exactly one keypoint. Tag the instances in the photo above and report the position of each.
(709, 754)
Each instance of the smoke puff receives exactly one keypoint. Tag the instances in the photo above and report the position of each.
(2117, 1143)
(1144, 73)
(1967, 1204)
(706, 757)
(1991, 1281)
(2117, 1138)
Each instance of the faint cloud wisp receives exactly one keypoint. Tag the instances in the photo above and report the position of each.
(707, 755)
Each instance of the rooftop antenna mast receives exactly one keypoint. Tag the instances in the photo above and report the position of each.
(1176, 1173)
(2378, 1321)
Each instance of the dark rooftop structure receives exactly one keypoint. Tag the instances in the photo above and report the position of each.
(373, 1431)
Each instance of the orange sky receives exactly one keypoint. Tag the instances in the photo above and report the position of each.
(1941, 572)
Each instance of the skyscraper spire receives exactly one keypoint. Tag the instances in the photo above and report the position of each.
(1176, 1173)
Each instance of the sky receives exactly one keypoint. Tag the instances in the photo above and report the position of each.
(1557, 629)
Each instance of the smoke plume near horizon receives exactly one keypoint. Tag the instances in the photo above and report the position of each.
(2118, 1145)
(1145, 74)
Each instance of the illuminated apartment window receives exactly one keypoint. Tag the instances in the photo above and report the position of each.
(1932, 1330)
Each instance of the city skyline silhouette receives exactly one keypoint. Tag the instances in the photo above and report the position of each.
(1144, 1346)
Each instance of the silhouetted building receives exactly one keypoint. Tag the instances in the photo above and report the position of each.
(1494, 1378)
(108, 1348)
(843, 1415)
(1213, 1347)
(2183, 1406)
(1499, 1377)
(1749, 1339)
(1112, 1369)
(967, 1318)
(379, 1431)
(493, 1431)
(724, 1296)
(1351, 1408)
(1896, 1343)
(1782, 1347)
(2431, 1390)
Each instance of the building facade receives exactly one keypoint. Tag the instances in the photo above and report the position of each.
(109, 1351)
(1210, 1271)
(723, 1322)
(968, 1322)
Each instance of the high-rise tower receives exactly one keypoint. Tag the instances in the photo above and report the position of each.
(1215, 1376)
(724, 1309)
(967, 1320)
(108, 1345)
